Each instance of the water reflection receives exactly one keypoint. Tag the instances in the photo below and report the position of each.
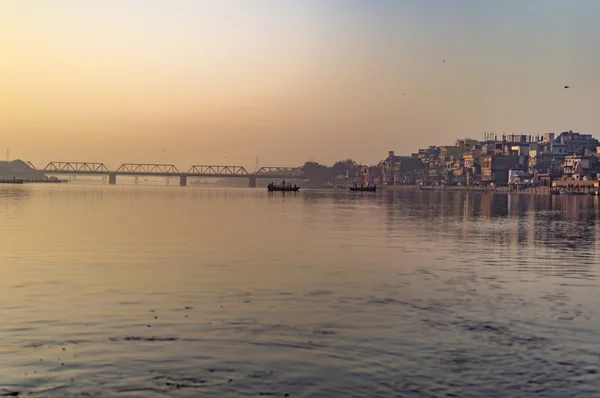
(526, 230)
(168, 291)
(15, 192)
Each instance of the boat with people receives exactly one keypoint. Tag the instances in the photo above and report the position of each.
(283, 187)
(368, 188)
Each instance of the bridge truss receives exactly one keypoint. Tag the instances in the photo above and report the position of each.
(218, 171)
(169, 170)
(76, 167)
(279, 171)
(147, 169)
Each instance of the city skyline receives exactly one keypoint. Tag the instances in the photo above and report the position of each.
(220, 83)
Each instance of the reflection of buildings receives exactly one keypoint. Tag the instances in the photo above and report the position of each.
(538, 233)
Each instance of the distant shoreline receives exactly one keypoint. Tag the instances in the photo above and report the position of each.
(452, 188)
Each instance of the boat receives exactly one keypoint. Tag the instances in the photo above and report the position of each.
(276, 188)
(12, 181)
(364, 189)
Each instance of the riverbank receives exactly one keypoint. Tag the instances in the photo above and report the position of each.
(523, 190)
(47, 181)
(31, 181)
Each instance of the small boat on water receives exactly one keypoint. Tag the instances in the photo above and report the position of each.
(12, 181)
(277, 188)
(364, 189)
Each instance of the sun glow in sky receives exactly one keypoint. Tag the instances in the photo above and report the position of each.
(195, 82)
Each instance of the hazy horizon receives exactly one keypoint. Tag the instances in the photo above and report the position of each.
(207, 82)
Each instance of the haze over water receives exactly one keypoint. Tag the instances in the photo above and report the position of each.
(157, 291)
(195, 81)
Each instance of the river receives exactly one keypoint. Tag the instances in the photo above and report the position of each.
(137, 291)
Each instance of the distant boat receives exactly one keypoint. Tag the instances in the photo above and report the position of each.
(364, 189)
(12, 181)
(275, 188)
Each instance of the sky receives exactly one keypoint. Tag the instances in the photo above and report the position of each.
(226, 81)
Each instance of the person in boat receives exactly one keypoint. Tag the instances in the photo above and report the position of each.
(283, 184)
(295, 186)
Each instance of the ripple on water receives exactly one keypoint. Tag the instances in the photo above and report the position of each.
(51, 343)
(143, 338)
(441, 295)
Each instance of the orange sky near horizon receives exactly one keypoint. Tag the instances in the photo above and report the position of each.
(203, 82)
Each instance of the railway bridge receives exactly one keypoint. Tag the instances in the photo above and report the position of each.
(168, 170)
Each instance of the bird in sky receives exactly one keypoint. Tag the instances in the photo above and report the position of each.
(566, 86)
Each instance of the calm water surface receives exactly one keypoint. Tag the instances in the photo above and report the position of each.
(186, 292)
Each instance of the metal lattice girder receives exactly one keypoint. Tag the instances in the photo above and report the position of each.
(28, 163)
(137, 168)
(76, 167)
(217, 170)
(283, 171)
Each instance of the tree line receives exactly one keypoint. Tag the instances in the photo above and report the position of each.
(317, 173)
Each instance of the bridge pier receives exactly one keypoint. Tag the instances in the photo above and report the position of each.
(182, 180)
(112, 179)
(252, 183)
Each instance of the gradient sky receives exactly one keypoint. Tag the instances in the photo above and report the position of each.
(222, 81)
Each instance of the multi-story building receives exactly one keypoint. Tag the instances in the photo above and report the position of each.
(576, 143)
(371, 175)
(580, 167)
(400, 170)
(426, 154)
(468, 144)
(495, 168)
(534, 159)
(548, 155)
